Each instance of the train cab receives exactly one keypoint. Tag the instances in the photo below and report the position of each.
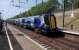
(50, 22)
(50, 26)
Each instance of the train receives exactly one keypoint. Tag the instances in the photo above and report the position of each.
(45, 23)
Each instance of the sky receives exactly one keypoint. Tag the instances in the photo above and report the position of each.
(8, 7)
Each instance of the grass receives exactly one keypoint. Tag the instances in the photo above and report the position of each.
(69, 21)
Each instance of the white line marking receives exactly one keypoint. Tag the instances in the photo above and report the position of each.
(31, 40)
(71, 32)
(35, 42)
(10, 45)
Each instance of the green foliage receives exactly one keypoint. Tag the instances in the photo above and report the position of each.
(50, 5)
(40, 8)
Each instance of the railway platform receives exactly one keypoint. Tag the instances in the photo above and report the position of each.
(3, 41)
(23, 40)
(69, 31)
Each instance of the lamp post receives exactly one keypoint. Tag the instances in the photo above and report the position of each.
(1, 11)
(63, 12)
(0, 15)
(36, 3)
(19, 8)
(42, 6)
(72, 13)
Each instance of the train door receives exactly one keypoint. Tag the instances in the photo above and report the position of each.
(52, 21)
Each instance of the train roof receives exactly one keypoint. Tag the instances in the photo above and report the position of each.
(30, 17)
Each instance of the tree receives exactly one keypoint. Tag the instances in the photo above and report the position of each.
(41, 8)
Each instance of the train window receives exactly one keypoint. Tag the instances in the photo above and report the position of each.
(23, 20)
(46, 19)
(37, 21)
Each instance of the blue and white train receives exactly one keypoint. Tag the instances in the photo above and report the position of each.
(40, 23)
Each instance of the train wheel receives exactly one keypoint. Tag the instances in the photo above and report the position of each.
(37, 30)
(24, 26)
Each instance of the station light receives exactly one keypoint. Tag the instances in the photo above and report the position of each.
(72, 14)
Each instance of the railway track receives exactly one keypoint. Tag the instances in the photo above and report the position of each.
(69, 42)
